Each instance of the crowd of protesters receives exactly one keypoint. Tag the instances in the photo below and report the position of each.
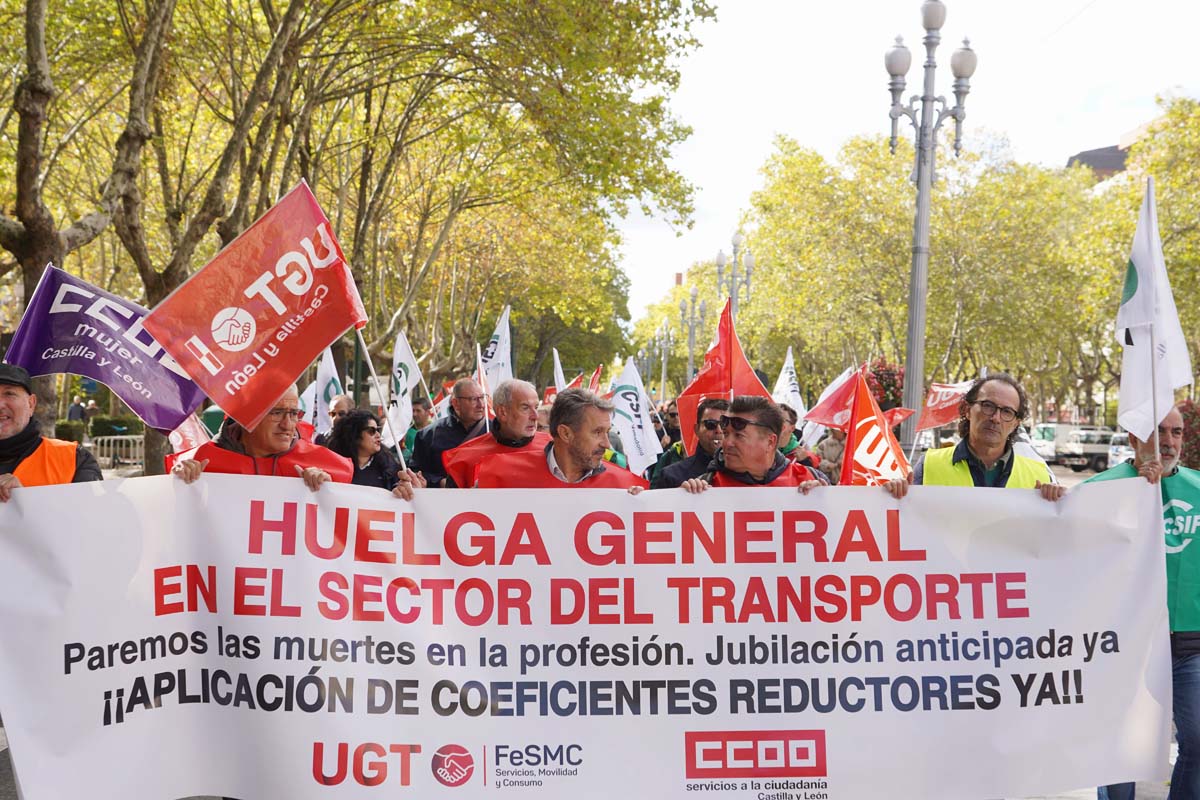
(512, 440)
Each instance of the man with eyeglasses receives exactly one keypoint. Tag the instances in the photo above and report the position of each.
(468, 407)
(749, 454)
(989, 415)
(515, 430)
(708, 441)
(272, 447)
(1180, 489)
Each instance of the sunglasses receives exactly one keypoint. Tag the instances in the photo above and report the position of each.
(710, 424)
(740, 423)
(371, 429)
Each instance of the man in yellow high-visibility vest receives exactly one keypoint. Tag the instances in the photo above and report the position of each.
(989, 415)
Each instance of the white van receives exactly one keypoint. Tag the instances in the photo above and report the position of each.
(1087, 449)
(1050, 438)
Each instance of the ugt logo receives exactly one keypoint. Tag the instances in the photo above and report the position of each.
(452, 765)
(755, 754)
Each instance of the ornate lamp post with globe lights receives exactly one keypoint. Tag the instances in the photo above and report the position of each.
(926, 119)
(737, 280)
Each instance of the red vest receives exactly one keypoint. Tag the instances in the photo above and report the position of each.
(794, 475)
(527, 469)
(462, 463)
(51, 464)
(303, 454)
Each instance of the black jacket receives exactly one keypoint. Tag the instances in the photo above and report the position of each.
(673, 476)
(446, 434)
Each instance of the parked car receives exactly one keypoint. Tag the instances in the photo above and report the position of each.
(1086, 449)
(1119, 449)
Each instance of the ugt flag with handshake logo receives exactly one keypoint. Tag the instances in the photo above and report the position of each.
(256, 316)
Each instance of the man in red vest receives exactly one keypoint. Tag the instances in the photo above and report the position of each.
(574, 458)
(26, 457)
(749, 454)
(271, 448)
(515, 430)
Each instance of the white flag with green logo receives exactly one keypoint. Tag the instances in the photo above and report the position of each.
(328, 386)
(405, 377)
(631, 420)
(496, 359)
(1149, 331)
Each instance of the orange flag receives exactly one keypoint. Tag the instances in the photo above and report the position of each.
(724, 373)
(873, 456)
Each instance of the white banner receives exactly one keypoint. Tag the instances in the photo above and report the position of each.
(246, 637)
(329, 386)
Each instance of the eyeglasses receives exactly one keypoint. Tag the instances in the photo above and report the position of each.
(740, 423)
(371, 429)
(277, 414)
(338, 414)
(477, 399)
(989, 409)
(673, 414)
(710, 424)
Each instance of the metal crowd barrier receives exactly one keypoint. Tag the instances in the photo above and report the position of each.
(117, 451)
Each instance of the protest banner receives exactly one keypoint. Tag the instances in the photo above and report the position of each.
(71, 326)
(251, 321)
(243, 636)
(941, 404)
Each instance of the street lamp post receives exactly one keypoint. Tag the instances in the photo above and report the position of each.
(690, 322)
(897, 61)
(664, 339)
(737, 280)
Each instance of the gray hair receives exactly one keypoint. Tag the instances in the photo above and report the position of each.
(503, 394)
(571, 405)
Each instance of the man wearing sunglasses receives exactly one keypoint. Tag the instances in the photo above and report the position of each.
(989, 415)
(515, 430)
(339, 406)
(708, 441)
(272, 447)
(468, 407)
(749, 454)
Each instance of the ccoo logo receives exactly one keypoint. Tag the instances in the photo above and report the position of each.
(452, 765)
(233, 329)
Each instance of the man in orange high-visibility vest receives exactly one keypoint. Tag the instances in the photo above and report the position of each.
(26, 457)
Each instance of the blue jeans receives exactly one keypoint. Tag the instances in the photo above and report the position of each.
(1185, 778)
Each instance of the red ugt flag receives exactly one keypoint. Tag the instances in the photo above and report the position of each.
(941, 406)
(725, 373)
(248, 324)
(873, 456)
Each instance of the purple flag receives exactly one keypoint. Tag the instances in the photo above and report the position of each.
(72, 326)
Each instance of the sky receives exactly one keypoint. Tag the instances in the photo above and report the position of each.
(1054, 77)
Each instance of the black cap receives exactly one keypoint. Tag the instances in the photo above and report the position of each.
(15, 376)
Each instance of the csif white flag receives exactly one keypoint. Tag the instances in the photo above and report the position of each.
(496, 359)
(308, 403)
(560, 382)
(405, 377)
(1155, 360)
(812, 431)
(631, 420)
(787, 387)
(328, 386)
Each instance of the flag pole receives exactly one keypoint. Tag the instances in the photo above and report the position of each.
(1154, 393)
(379, 388)
(487, 397)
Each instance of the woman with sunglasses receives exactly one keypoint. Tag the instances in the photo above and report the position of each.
(356, 435)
